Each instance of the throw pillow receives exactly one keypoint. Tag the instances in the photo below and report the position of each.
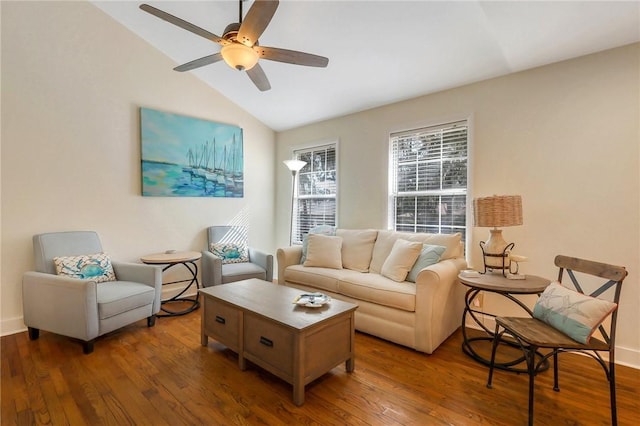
(96, 267)
(324, 251)
(430, 255)
(575, 314)
(320, 229)
(230, 252)
(357, 247)
(402, 257)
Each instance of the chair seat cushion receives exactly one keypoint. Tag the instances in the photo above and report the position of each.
(116, 297)
(242, 271)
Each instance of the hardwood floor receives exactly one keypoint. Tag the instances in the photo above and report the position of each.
(162, 376)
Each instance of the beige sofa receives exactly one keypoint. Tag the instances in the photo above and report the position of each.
(419, 315)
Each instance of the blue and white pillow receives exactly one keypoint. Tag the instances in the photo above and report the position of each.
(575, 314)
(96, 267)
(230, 252)
(429, 255)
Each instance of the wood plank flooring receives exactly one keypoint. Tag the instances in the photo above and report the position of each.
(163, 376)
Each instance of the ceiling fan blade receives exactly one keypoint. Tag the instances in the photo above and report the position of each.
(197, 63)
(182, 24)
(259, 78)
(291, 56)
(256, 21)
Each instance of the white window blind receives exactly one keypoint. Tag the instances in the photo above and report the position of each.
(316, 190)
(428, 179)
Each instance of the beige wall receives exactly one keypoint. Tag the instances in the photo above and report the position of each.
(73, 81)
(564, 136)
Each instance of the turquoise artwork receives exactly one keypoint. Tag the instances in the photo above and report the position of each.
(189, 157)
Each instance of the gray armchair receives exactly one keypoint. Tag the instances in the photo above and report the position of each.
(214, 272)
(81, 308)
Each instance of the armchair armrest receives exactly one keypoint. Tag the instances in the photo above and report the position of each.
(262, 259)
(60, 304)
(211, 269)
(439, 303)
(150, 275)
(287, 256)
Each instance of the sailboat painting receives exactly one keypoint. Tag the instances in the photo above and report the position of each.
(189, 157)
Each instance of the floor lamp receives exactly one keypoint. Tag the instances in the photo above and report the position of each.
(294, 166)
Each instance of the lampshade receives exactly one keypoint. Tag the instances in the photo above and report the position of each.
(497, 211)
(239, 56)
(294, 165)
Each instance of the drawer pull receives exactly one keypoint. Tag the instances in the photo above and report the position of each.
(220, 319)
(266, 342)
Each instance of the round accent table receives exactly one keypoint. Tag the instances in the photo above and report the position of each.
(187, 259)
(497, 284)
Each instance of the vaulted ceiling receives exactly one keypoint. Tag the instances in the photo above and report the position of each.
(382, 51)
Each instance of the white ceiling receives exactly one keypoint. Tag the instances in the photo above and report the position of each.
(382, 51)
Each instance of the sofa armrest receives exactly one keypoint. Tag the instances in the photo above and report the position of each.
(59, 304)
(150, 275)
(211, 267)
(439, 303)
(287, 256)
(263, 260)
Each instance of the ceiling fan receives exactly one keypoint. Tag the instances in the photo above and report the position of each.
(240, 48)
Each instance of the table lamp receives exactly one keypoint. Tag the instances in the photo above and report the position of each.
(497, 211)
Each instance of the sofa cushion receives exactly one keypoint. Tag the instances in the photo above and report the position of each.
(402, 257)
(377, 289)
(320, 278)
(386, 239)
(357, 248)
(324, 251)
(430, 255)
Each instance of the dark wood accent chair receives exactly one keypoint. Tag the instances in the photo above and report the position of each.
(532, 334)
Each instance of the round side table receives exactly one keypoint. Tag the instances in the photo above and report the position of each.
(506, 288)
(187, 259)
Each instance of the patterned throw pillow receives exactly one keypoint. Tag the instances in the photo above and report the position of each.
(575, 314)
(96, 267)
(230, 252)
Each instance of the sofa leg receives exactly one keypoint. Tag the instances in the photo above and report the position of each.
(87, 346)
(34, 333)
(151, 321)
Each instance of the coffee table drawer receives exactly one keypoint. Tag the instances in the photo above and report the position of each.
(222, 322)
(269, 343)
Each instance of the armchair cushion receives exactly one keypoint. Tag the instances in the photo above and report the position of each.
(230, 252)
(96, 267)
(122, 296)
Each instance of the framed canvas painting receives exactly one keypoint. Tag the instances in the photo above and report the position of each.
(189, 157)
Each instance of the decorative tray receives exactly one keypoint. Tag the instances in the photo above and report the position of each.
(312, 300)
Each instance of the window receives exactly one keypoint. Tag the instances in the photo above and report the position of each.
(428, 179)
(316, 190)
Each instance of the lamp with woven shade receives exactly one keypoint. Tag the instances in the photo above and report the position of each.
(497, 211)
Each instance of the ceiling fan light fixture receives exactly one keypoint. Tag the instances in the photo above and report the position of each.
(239, 56)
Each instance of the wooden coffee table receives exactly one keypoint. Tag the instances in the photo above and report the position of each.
(259, 321)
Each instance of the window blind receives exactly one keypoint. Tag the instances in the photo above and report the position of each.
(428, 179)
(316, 190)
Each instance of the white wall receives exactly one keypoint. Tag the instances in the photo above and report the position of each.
(564, 136)
(73, 81)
